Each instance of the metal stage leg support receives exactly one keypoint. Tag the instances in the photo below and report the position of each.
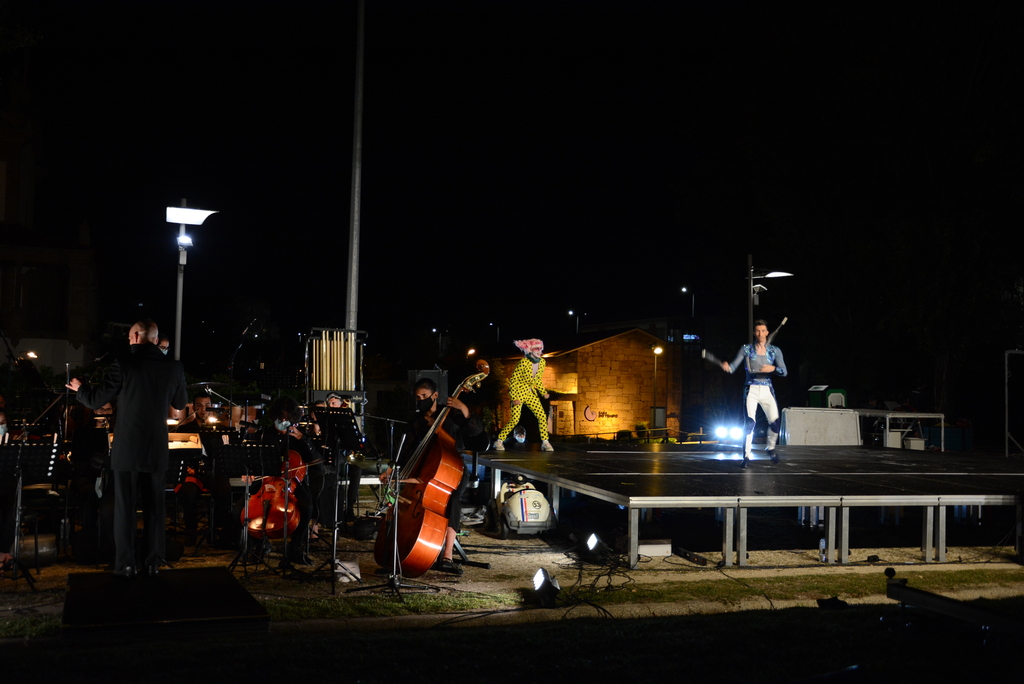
(495, 483)
(634, 537)
(727, 531)
(555, 497)
(940, 534)
(844, 535)
(830, 534)
(741, 536)
(927, 533)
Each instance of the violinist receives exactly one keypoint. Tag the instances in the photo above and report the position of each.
(286, 436)
(457, 425)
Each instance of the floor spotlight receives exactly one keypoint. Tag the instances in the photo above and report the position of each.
(545, 589)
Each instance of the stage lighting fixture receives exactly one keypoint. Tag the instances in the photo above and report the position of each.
(184, 241)
(545, 589)
(721, 432)
(735, 433)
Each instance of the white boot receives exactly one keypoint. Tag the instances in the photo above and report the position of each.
(499, 445)
(546, 446)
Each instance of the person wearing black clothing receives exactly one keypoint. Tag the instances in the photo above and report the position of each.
(198, 477)
(147, 384)
(458, 426)
(286, 436)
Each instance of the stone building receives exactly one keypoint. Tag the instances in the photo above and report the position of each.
(609, 385)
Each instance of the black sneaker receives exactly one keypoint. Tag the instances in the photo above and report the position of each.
(772, 456)
(449, 567)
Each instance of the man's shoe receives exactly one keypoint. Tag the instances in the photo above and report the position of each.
(499, 445)
(153, 570)
(546, 446)
(126, 574)
(746, 461)
(449, 567)
(772, 456)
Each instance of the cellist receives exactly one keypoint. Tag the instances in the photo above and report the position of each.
(458, 425)
(286, 436)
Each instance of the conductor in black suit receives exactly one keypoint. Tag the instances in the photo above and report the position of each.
(146, 383)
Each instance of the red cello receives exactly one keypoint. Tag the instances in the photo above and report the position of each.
(430, 476)
(272, 491)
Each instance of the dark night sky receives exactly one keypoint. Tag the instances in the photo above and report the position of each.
(525, 158)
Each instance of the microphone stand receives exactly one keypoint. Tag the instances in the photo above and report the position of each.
(395, 582)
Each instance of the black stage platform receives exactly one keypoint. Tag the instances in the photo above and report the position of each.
(188, 601)
(648, 476)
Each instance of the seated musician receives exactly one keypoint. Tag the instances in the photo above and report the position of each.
(8, 500)
(286, 436)
(92, 487)
(198, 477)
(351, 470)
(457, 425)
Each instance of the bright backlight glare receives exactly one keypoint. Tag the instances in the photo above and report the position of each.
(735, 433)
(721, 432)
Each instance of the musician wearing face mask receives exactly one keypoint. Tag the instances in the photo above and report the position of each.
(457, 425)
(352, 471)
(286, 436)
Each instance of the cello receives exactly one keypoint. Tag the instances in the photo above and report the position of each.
(269, 502)
(412, 534)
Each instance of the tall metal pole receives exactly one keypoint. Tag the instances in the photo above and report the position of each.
(352, 300)
(750, 299)
(182, 258)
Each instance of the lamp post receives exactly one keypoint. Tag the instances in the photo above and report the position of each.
(655, 423)
(183, 216)
(693, 301)
(752, 292)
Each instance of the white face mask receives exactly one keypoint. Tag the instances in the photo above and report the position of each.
(164, 351)
(282, 425)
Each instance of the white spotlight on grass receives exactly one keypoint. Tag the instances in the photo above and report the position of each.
(545, 589)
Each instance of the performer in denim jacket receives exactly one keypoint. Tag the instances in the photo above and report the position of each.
(760, 360)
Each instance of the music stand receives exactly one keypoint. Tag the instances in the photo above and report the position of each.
(18, 461)
(249, 462)
(341, 432)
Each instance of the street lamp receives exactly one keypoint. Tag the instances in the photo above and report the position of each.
(183, 216)
(753, 291)
(655, 423)
(693, 302)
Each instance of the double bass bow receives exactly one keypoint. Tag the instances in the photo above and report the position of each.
(412, 534)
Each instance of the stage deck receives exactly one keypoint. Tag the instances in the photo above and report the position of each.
(835, 477)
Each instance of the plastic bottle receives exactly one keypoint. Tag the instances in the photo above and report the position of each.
(821, 550)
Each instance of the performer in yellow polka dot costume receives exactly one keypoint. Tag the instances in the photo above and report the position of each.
(526, 383)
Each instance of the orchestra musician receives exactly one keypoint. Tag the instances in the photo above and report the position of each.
(147, 383)
(198, 479)
(286, 436)
(351, 470)
(458, 426)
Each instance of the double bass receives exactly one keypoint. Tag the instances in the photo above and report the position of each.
(412, 534)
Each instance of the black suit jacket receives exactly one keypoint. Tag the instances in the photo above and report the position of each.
(146, 384)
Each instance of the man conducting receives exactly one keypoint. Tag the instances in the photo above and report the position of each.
(145, 383)
(760, 360)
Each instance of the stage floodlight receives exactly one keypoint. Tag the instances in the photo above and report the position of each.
(545, 589)
(721, 432)
(736, 433)
(187, 215)
(184, 241)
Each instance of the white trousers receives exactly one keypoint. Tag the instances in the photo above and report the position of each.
(761, 395)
